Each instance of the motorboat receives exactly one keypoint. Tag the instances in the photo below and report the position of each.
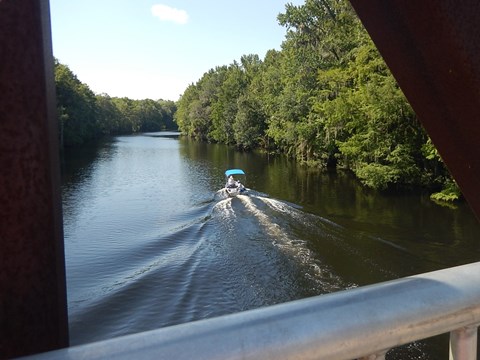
(233, 186)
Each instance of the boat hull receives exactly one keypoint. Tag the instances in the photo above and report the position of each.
(232, 192)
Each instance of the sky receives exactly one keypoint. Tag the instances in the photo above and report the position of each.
(154, 49)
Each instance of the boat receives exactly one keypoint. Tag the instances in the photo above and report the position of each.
(233, 186)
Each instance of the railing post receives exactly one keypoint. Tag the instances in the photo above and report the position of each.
(463, 343)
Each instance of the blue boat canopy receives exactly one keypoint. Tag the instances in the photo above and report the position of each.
(234, 172)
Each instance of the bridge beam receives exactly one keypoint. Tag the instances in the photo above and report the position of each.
(432, 49)
(33, 307)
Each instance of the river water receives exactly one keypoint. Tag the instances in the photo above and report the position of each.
(152, 241)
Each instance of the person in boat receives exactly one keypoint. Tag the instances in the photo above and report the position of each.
(231, 183)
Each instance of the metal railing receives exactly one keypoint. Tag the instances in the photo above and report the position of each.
(359, 323)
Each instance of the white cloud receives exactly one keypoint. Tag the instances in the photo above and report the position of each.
(167, 13)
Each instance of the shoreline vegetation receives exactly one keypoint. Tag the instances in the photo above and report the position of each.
(326, 99)
(84, 116)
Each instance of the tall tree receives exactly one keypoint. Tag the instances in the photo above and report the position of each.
(76, 106)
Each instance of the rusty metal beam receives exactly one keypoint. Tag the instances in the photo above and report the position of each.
(433, 49)
(33, 308)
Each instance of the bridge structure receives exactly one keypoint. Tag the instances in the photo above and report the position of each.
(432, 49)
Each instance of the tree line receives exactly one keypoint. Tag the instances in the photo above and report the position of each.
(84, 116)
(326, 99)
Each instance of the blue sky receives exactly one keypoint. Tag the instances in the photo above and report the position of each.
(155, 49)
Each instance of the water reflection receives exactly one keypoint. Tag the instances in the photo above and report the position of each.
(437, 237)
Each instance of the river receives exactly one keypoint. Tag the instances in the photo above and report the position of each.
(152, 241)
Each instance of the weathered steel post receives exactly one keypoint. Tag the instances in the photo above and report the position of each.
(33, 308)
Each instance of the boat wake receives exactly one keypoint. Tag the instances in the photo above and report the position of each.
(275, 229)
(221, 256)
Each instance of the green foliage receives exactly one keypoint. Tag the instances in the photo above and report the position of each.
(429, 151)
(450, 193)
(84, 116)
(249, 123)
(219, 108)
(376, 175)
(76, 106)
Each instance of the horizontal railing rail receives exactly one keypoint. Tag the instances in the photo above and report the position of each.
(362, 323)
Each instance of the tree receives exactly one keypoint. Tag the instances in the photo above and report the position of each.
(76, 108)
(249, 123)
(109, 116)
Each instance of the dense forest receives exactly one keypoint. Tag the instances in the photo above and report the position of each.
(84, 116)
(326, 98)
